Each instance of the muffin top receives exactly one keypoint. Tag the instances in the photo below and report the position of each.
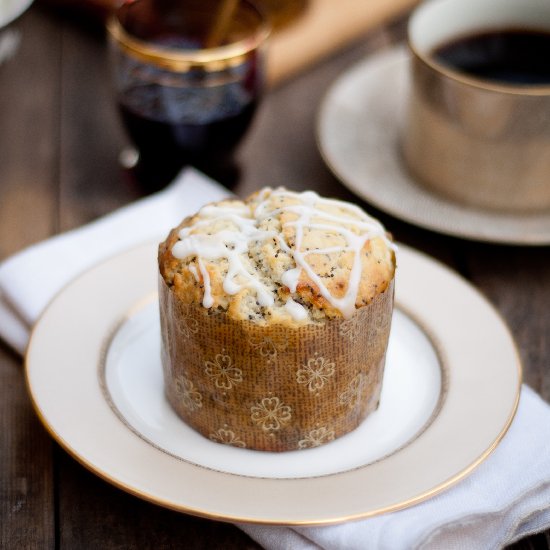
(279, 257)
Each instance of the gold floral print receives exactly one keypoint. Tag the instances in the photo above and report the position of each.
(268, 347)
(350, 328)
(271, 414)
(227, 437)
(316, 437)
(352, 394)
(191, 399)
(186, 324)
(315, 374)
(223, 371)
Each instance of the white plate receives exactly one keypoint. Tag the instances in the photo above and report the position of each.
(133, 383)
(358, 133)
(450, 393)
(11, 10)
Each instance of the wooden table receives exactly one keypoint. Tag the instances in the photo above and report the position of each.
(59, 144)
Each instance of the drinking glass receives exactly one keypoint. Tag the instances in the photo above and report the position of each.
(188, 76)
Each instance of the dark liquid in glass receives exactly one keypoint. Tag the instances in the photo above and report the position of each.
(509, 56)
(172, 128)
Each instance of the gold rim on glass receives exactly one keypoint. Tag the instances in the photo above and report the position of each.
(179, 60)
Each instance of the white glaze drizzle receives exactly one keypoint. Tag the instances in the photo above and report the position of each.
(194, 272)
(290, 278)
(231, 244)
(207, 299)
(297, 311)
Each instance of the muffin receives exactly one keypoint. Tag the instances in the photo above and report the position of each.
(275, 316)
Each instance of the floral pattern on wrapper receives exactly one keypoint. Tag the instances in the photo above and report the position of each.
(185, 390)
(226, 437)
(352, 395)
(350, 328)
(268, 347)
(223, 372)
(186, 324)
(271, 414)
(316, 438)
(315, 373)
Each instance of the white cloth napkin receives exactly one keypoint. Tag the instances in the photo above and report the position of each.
(31, 278)
(506, 498)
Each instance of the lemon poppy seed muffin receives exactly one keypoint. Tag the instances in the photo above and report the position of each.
(275, 317)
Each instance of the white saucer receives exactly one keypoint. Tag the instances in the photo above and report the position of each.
(94, 375)
(358, 133)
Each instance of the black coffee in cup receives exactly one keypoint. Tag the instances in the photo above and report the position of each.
(509, 56)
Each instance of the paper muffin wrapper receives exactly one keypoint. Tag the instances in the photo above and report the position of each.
(272, 388)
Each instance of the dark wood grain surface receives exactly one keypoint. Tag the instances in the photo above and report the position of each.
(60, 140)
